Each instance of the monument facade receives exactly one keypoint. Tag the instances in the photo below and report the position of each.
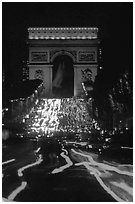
(62, 57)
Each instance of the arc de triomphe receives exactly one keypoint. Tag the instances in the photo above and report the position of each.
(79, 44)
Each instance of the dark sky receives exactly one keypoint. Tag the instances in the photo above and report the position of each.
(113, 19)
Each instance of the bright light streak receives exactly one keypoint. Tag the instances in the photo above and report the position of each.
(78, 143)
(62, 168)
(130, 165)
(108, 170)
(30, 165)
(124, 186)
(65, 151)
(127, 148)
(12, 196)
(104, 166)
(96, 174)
(38, 150)
(9, 161)
(5, 200)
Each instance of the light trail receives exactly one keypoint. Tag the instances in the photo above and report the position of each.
(97, 168)
(65, 151)
(5, 200)
(123, 186)
(29, 165)
(37, 150)
(12, 196)
(9, 161)
(129, 165)
(131, 148)
(20, 174)
(62, 168)
(104, 166)
(96, 174)
(78, 143)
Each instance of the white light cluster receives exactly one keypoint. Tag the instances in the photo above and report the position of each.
(61, 37)
(63, 33)
(64, 28)
(59, 115)
(95, 124)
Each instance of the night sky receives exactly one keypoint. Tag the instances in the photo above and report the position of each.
(115, 22)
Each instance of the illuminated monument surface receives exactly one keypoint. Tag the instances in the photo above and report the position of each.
(61, 57)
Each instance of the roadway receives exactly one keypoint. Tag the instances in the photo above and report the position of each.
(59, 170)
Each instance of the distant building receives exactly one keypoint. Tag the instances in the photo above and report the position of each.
(62, 57)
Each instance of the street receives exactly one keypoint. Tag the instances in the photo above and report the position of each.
(33, 172)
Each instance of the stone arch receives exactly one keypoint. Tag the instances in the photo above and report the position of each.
(62, 52)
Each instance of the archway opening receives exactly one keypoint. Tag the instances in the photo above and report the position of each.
(63, 77)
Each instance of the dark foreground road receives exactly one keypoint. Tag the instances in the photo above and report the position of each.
(35, 173)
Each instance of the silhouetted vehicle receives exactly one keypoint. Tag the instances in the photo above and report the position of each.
(50, 149)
